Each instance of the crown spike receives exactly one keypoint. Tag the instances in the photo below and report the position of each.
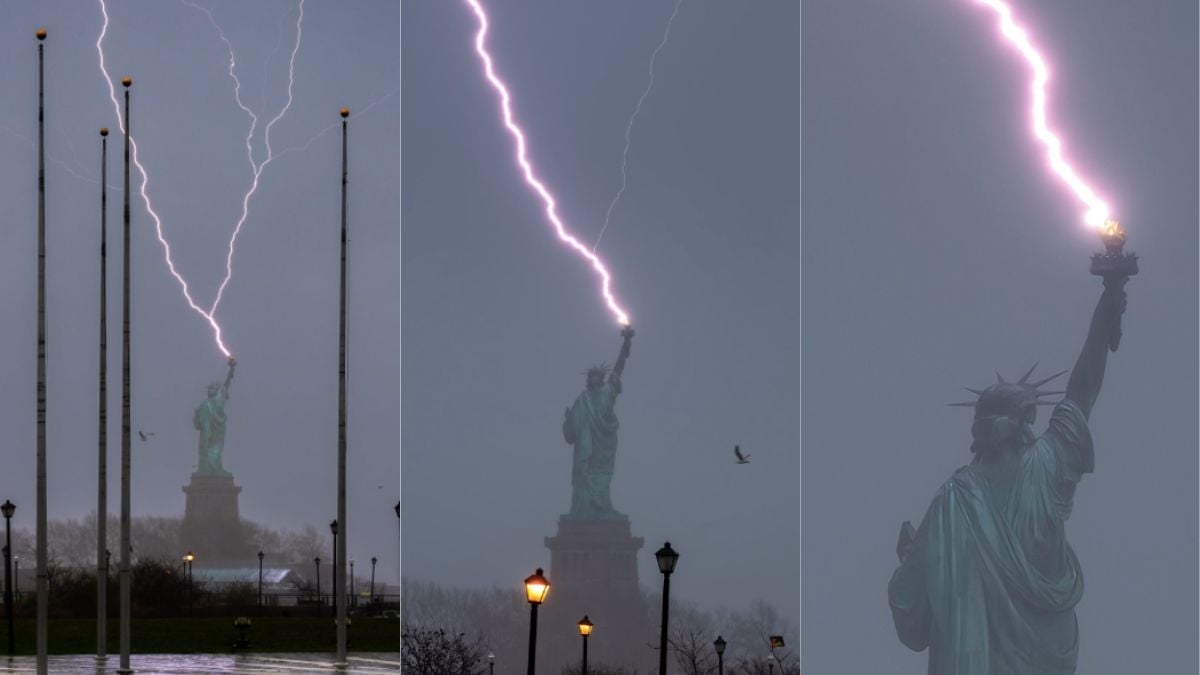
(1039, 383)
(977, 392)
(1050, 393)
(964, 404)
(1029, 372)
(1000, 378)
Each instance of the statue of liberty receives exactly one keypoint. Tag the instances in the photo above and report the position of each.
(590, 426)
(988, 583)
(209, 420)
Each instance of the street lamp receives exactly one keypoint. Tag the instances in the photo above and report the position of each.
(771, 663)
(491, 662)
(187, 563)
(373, 561)
(666, 557)
(333, 527)
(719, 645)
(260, 598)
(585, 629)
(318, 563)
(8, 509)
(536, 588)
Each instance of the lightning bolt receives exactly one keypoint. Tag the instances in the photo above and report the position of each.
(629, 128)
(531, 178)
(142, 190)
(336, 125)
(1018, 38)
(255, 167)
(70, 167)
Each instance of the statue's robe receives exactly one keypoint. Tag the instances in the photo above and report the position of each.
(990, 585)
(591, 427)
(209, 420)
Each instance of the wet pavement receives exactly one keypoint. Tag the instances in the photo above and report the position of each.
(169, 664)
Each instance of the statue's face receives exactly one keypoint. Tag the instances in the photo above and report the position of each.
(595, 379)
(213, 389)
(1029, 415)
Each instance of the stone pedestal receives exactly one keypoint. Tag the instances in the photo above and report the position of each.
(212, 525)
(594, 571)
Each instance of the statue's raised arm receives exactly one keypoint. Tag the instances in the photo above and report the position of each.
(619, 366)
(1104, 332)
(229, 377)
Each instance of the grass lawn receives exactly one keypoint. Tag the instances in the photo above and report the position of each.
(207, 635)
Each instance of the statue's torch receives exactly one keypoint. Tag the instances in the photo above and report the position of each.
(1114, 265)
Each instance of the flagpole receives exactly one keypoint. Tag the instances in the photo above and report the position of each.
(340, 573)
(42, 584)
(102, 460)
(126, 82)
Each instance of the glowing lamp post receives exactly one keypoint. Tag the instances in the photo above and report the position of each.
(585, 629)
(719, 645)
(491, 662)
(666, 557)
(188, 559)
(536, 588)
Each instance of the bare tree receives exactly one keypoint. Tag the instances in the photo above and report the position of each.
(434, 652)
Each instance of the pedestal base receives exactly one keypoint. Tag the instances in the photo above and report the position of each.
(212, 525)
(593, 571)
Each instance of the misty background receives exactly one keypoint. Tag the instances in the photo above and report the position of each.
(500, 320)
(937, 248)
(279, 313)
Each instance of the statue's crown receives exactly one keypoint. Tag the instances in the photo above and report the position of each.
(1009, 399)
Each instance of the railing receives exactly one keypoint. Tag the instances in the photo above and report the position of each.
(385, 605)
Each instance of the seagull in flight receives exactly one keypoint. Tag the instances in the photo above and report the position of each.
(145, 436)
(741, 459)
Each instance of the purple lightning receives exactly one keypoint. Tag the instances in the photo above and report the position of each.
(313, 139)
(112, 93)
(629, 128)
(255, 167)
(1097, 214)
(530, 178)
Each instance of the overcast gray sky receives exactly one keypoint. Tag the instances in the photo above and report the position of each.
(279, 313)
(500, 320)
(937, 250)
(932, 248)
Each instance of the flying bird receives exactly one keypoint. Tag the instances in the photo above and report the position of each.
(741, 459)
(144, 435)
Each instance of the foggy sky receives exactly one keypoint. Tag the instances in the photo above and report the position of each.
(937, 249)
(931, 249)
(280, 311)
(500, 320)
